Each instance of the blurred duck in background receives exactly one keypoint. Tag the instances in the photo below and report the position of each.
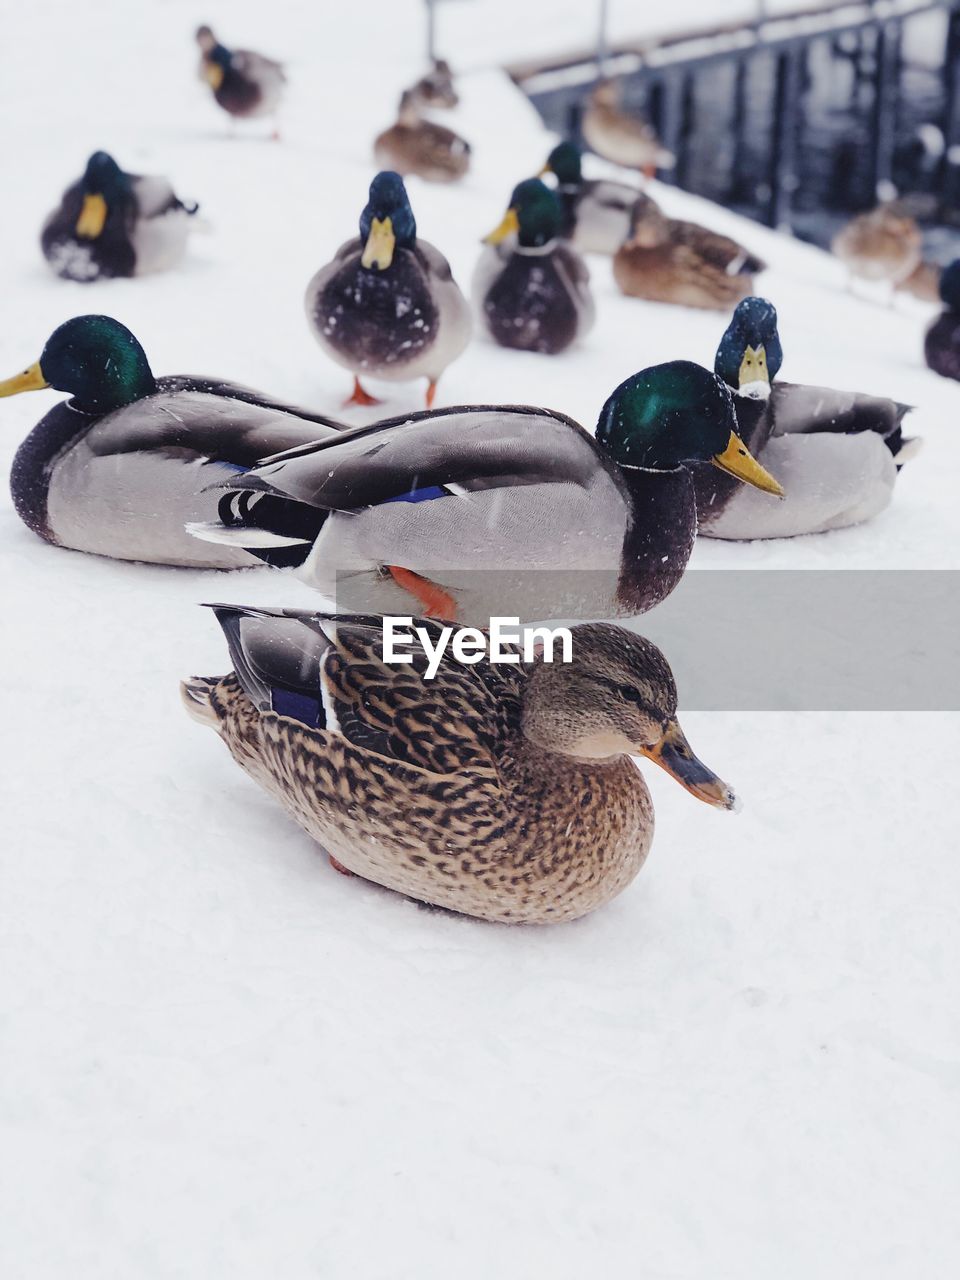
(111, 223)
(923, 282)
(245, 84)
(942, 344)
(531, 288)
(436, 89)
(387, 304)
(620, 137)
(666, 260)
(417, 146)
(596, 213)
(884, 245)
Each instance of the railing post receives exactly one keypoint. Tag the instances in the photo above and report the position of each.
(886, 93)
(671, 118)
(951, 110)
(783, 151)
(739, 130)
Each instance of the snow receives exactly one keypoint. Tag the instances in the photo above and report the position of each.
(221, 1058)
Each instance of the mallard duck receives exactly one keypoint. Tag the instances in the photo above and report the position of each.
(665, 260)
(472, 512)
(111, 223)
(388, 305)
(942, 343)
(436, 89)
(118, 469)
(882, 245)
(503, 792)
(414, 145)
(618, 136)
(923, 282)
(596, 214)
(835, 452)
(531, 288)
(245, 84)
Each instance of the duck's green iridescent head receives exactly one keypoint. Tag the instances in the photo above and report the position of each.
(387, 221)
(534, 216)
(673, 414)
(564, 162)
(96, 359)
(950, 285)
(750, 355)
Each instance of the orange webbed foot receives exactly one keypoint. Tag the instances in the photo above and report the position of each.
(360, 396)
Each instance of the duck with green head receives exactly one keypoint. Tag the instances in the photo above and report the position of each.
(387, 305)
(942, 342)
(596, 212)
(245, 84)
(488, 510)
(836, 452)
(111, 223)
(530, 287)
(122, 465)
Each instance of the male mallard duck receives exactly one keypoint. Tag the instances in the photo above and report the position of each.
(112, 223)
(596, 214)
(388, 305)
(503, 792)
(245, 84)
(436, 89)
(620, 137)
(414, 145)
(118, 469)
(665, 260)
(836, 452)
(884, 245)
(532, 289)
(478, 511)
(942, 343)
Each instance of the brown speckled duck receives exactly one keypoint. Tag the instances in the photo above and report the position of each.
(417, 146)
(436, 89)
(500, 791)
(882, 245)
(666, 260)
(620, 137)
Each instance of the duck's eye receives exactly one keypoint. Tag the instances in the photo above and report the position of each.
(630, 693)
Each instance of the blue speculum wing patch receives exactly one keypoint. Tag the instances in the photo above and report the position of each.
(420, 495)
(298, 706)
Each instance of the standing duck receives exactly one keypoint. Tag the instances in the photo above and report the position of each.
(120, 467)
(942, 343)
(111, 223)
(882, 245)
(617, 136)
(666, 260)
(388, 305)
(596, 214)
(502, 792)
(471, 512)
(531, 288)
(436, 89)
(245, 84)
(836, 452)
(417, 146)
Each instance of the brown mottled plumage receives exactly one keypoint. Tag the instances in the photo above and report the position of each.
(501, 791)
(414, 145)
(884, 244)
(666, 260)
(618, 136)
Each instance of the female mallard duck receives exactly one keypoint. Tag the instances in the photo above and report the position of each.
(531, 288)
(479, 511)
(596, 214)
(620, 137)
(436, 89)
(942, 343)
(882, 245)
(923, 282)
(112, 223)
(414, 145)
(503, 792)
(665, 260)
(245, 84)
(836, 452)
(118, 469)
(388, 305)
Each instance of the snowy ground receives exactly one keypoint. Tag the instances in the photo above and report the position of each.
(221, 1059)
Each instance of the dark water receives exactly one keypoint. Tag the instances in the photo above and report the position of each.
(834, 132)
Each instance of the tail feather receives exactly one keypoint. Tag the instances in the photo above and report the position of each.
(195, 692)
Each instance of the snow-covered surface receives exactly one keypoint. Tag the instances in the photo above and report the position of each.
(222, 1059)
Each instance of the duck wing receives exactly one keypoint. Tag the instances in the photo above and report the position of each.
(716, 250)
(801, 409)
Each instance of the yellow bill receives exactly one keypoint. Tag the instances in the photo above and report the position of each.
(381, 242)
(673, 754)
(92, 217)
(737, 460)
(509, 226)
(30, 380)
(544, 171)
(753, 367)
(213, 73)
